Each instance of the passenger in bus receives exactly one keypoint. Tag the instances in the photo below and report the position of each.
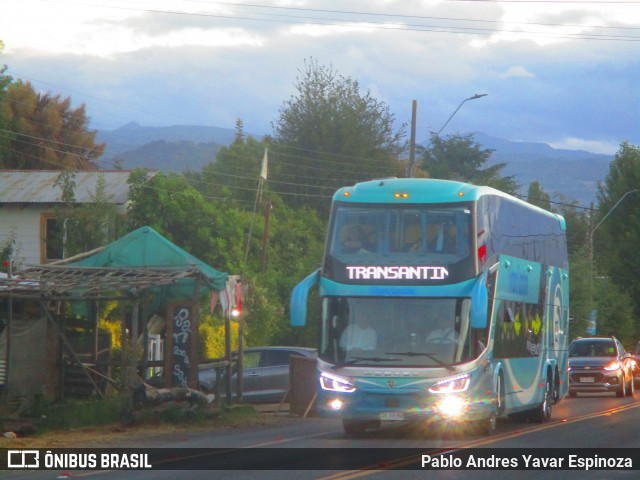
(412, 238)
(441, 238)
(355, 240)
(359, 335)
(443, 330)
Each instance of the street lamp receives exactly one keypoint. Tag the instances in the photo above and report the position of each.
(413, 130)
(476, 96)
(592, 231)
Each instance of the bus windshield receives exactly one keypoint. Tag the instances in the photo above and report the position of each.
(399, 332)
(401, 236)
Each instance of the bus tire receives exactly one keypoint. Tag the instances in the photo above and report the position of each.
(488, 425)
(542, 412)
(556, 387)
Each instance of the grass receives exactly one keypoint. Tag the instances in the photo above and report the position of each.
(82, 423)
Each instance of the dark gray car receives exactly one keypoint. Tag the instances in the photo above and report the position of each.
(265, 376)
(600, 364)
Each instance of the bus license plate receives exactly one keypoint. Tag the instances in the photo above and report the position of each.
(393, 416)
(587, 380)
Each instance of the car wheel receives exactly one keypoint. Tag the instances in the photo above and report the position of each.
(622, 389)
(632, 388)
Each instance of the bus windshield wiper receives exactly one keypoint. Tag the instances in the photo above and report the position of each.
(354, 360)
(431, 356)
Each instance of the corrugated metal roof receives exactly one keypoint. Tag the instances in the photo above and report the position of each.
(38, 186)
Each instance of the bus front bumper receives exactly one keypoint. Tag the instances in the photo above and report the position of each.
(413, 406)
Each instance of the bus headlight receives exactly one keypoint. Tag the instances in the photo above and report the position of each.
(451, 407)
(335, 383)
(451, 385)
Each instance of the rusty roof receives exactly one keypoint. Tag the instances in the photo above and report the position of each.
(38, 186)
(54, 282)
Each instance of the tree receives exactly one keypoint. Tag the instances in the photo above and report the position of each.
(235, 173)
(537, 196)
(90, 225)
(5, 81)
(46, 132)
(330, 134)
(460, 157)
(216, 232)
(616, 240)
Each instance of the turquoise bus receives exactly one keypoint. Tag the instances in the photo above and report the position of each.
(408, 259)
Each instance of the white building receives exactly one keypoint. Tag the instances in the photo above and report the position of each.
(28, 202)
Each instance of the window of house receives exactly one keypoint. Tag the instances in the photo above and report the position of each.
(51, 238)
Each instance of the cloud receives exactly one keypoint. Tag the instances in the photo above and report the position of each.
(586, 145)
(518, 71)
(241, 61)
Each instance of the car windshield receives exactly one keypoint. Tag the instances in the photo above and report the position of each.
(595, 348)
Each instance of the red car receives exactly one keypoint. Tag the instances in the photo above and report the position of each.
(636, 358)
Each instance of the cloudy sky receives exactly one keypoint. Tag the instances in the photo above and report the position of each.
(562, 72)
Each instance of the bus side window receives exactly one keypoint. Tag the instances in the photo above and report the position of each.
(412, 238)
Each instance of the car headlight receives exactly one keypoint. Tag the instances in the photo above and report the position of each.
(451, 385)
(335, 383)
(613, 366)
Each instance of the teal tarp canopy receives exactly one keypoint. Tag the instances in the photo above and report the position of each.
(145, 247)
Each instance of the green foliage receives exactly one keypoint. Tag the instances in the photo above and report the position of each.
(73, 414)
(5, 136)
(460, 157)
(212, 336)
(217, 233)
(615, 311)
(616, 239)
(235, 172)
(86, 226)
(209, 230)
(577, 221)
(537, 196)
(330, 134)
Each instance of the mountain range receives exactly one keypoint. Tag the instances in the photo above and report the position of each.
(567, 175)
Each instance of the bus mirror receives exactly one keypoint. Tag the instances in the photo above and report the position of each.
(298, 305)
(479, 303)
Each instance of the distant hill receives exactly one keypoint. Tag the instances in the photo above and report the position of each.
(573, 174)
(564, 174)
(166, 156)
(172, 149)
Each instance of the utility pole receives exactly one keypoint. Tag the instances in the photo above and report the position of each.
(265, 236)
(412, 144)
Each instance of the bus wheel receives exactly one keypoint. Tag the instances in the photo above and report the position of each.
(488, 425)
(354, 427)
(556, 388)
(542, 413)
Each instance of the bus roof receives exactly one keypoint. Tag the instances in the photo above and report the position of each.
(424, 190)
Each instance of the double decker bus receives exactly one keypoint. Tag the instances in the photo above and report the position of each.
(426, 254)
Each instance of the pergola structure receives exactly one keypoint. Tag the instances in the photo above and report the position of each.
(49, 285)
